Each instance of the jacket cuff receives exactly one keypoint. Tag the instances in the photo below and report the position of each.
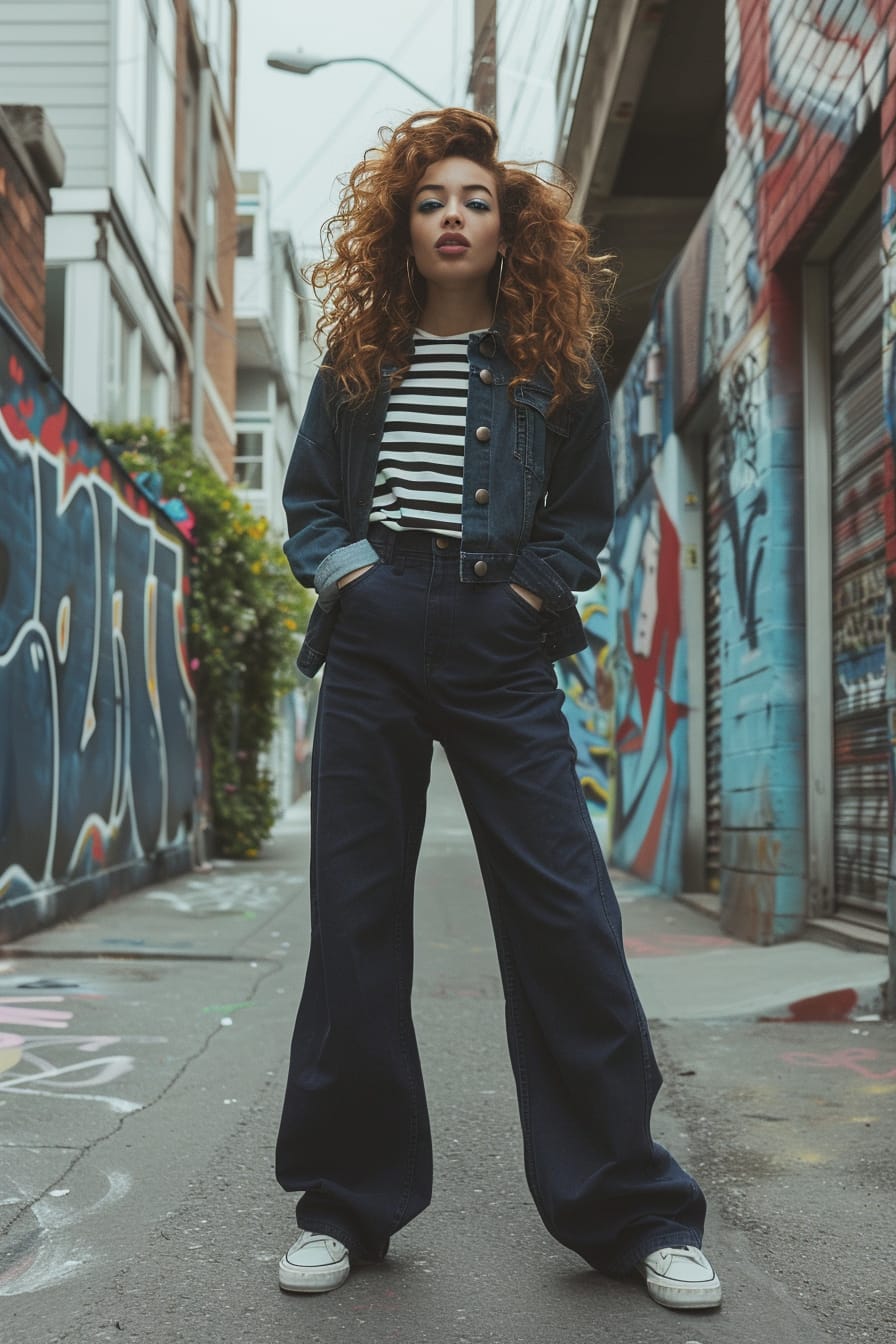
(530, 571)
(337, 564)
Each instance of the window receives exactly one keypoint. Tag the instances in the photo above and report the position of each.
(151, 385)
(245, 236)
(151, 106)
(214, 24)
(248, 465)
(211, 213)
(191, 113)
(54, 334)
(121, 367)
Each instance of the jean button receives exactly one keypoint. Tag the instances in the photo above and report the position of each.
(483, 433)
(480, 569)
(481, 496)
(442, 543)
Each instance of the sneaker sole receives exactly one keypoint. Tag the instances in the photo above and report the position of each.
(698, 1298)
(323, 1280)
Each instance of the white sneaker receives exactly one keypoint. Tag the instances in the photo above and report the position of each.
(314, 1264)
(681, 1277)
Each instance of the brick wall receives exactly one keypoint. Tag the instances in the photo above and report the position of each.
(24, 206)
(218, 298)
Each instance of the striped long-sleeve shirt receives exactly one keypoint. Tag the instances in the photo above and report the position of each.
(420, 473)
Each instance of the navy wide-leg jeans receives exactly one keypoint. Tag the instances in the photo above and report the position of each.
(417, 656)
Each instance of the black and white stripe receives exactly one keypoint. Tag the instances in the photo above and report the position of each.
(420, 472)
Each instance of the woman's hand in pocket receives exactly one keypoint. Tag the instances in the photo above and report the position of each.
(528, 596)
(352, 575)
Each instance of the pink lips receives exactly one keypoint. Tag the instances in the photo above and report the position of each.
(452, 244)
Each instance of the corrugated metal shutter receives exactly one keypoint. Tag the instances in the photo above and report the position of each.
(859, 440)
(713, 661)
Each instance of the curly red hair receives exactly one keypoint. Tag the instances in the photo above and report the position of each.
(554, 293)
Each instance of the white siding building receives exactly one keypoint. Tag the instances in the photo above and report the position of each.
(104, 72)
(276, 362)
(276, 358)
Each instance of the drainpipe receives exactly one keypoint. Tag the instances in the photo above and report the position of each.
(200, 257)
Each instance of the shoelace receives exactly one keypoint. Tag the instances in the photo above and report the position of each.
(692, 1253)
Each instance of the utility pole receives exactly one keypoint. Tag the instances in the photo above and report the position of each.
(484, 70)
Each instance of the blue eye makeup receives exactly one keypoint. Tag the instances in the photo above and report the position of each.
(426, 207)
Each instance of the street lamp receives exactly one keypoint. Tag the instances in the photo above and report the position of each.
(302, 63)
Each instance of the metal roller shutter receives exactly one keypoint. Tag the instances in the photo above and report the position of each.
(713, 661)
(859, 439)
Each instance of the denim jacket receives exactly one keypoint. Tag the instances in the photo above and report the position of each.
(537, 503)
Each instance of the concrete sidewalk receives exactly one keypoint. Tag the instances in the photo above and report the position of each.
(685, 967)
(142, 1060)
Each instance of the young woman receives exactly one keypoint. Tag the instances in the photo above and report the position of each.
(450, 488)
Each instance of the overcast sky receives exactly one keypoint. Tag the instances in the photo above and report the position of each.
(304, 130)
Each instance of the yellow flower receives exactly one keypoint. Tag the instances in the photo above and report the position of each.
(290, 624)
(257, 567)
(225, 505)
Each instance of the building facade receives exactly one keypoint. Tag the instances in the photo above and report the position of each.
(120, 80)
(744, 168)
(277, 361)
(32, 162)
(205, 232)
(276, 356)
(97, 712)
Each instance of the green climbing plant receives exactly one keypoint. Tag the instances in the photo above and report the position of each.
(245, 615)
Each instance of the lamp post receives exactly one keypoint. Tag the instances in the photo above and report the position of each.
(302, 63)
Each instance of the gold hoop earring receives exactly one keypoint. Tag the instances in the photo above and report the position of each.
(498, 289)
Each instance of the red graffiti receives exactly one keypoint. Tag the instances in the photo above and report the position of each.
(51, 431)
(17, 427)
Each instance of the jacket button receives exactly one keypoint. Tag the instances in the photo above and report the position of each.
(481, 496)
(442, 543)
(483, 433)
(486, 376)
(480, 569)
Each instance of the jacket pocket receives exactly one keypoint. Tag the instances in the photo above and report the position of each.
(536, 432)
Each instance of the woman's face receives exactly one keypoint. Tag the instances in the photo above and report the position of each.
(455, 223)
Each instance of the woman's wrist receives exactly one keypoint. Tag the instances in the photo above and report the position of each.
(528, 596)
(352, 574)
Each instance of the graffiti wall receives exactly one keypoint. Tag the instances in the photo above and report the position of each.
(97, 714)
(588, 682)
(806, 79)
(650, 742)
(889, 487)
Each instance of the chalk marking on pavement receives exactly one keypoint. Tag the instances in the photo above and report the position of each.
(853, 1059)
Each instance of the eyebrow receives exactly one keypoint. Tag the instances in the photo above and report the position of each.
(437, 186)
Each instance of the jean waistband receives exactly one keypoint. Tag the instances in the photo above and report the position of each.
(389, 542)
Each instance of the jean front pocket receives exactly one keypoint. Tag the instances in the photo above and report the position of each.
(519, 601)
(355, 583)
